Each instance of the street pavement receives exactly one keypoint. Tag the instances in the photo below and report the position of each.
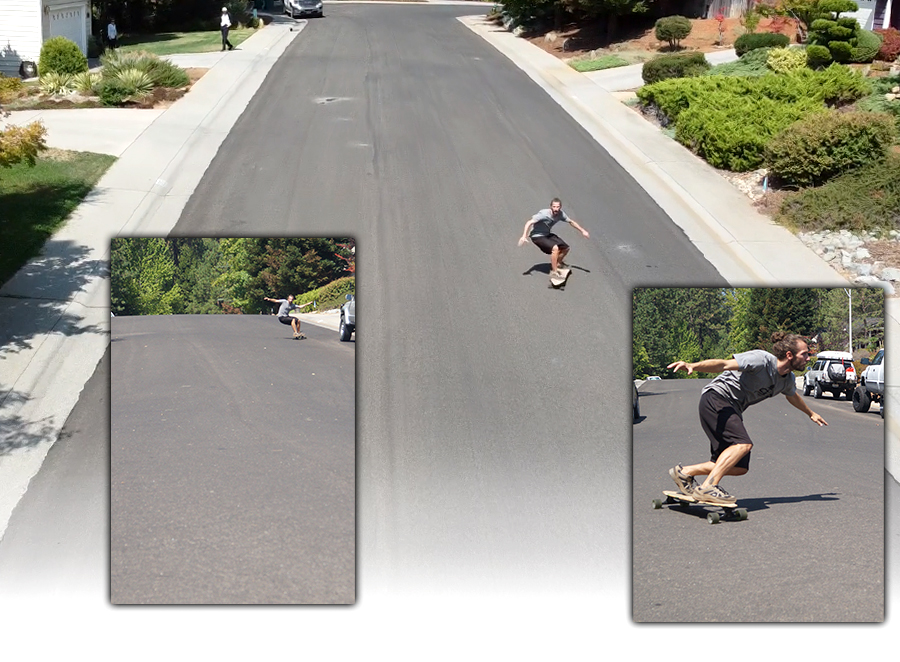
(53, 310)
(812, 548)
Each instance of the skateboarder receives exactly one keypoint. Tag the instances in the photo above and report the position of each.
(287, 305)
(746, 379)
(540, 230)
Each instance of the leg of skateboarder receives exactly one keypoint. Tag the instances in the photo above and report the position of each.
(745, 379)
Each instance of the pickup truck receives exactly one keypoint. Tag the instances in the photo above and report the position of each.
(871, 384)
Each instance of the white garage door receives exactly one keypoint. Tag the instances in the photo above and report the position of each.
(69, 22)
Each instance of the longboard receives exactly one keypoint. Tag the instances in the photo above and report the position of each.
(301, 336)
(729, 511)
(559, 282)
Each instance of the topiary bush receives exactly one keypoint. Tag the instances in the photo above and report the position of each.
(677, 65)
(817, 149)
(753, 40)
(867, 46)
(783, 60)
(731, 132)
(890, 45)
(836, 33)
(818, 57)
(61, 56)
(672, 29)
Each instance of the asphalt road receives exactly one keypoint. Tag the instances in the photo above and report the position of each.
(56, 545)
(492, 416)
(232, 462)
(812, 548)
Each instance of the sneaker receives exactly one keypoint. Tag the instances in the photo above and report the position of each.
(713, 494)
(684, 482)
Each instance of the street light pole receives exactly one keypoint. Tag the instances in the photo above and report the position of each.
(849, 293)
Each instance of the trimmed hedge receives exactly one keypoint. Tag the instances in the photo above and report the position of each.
(329, 296)
(61, 56)
(868, 44)
(678, 65)
(731, 132)
(815, 150)
(753, 40)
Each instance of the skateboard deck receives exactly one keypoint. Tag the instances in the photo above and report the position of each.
(560, 281)
(729, 511)
(301, 336)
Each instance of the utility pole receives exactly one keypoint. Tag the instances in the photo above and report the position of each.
(849, 292)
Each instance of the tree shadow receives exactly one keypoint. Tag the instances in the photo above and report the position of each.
(17, 432)
(37, 300)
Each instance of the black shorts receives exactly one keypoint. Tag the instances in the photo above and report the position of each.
(723, 425)
(546, 243)
(286, 319)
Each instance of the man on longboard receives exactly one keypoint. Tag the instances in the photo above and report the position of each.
(286, 306)
(539, 229)
(746, 379)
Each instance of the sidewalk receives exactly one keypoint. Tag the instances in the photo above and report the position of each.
(54, 313)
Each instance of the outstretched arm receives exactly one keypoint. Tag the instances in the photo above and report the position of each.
(575, 225)
(800, 404)
(272, 300)
(525, 232)
(709, 365)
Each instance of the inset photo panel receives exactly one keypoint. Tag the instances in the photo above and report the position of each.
(233, 447)
(758, 455)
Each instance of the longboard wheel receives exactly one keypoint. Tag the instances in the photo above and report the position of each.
(713, 518)
(657, 504)
(741, 513)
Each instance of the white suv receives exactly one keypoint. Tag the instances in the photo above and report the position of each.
(871, 385)
(833, 372)
(348, 318)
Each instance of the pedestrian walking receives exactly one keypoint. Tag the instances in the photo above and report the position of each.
(112, 34)
(226, 26)
(747, 378)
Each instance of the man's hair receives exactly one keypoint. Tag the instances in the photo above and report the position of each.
(782, 343)
(556, 200)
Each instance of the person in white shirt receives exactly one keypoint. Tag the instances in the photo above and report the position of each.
(226, 25)
(112, 34)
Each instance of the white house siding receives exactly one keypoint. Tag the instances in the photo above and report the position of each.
(20, 34)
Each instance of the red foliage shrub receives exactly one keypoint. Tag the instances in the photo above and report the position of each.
(890, 46)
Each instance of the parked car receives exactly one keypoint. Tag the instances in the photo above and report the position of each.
(654, 378)
(348, 318)
(297, 8)
(871, 384)
(833, 372)
(635, 403)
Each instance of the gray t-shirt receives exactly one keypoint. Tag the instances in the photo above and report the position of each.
(285, 307)
(756, 379)
(544, 222)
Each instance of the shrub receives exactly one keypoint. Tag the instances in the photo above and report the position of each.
(54, 83)
(731, 132)
(113, 92)
(864, 199)
(833, 31)
(818, 57)
(62, 56)
(162, 73)
(9, 87)
(136, 81)
(814, 150)
(678, 65)
(672, 29)
(877, 103)
(751, 63)
(670, 98)
(890, 45)
(753, 40)
(868, 44)
(86, 82)
(783, 60)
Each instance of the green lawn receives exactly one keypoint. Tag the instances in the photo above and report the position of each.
(36, 201)
(605, 62)
(171, 43)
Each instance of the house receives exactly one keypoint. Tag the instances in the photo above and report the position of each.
(26, 24)
(872, 14)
